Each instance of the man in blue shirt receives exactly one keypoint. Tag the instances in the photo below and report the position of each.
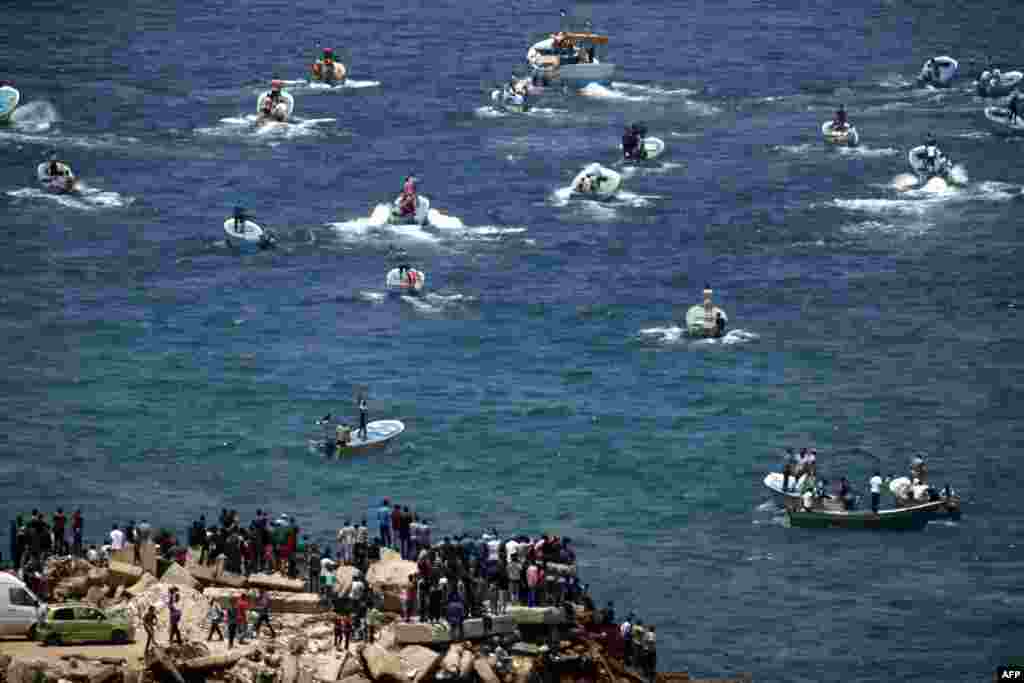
(384, 521)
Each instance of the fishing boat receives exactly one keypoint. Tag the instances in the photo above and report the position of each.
(349, 440)
(830, 515)
(572, 57)
(938, 72)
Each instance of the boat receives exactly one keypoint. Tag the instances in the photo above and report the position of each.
(928, 162)
(62, 182)
(281, 112)
(1000, 121)
(997, 84)
(571, 57)
(9, 98)
(241, 233)
(773, 482)
(831, 516)
(348, 440)
(411, 281)
(846, 136)
(938, 72)
(597, 182)
(420, 217)
(652, 148)
(909, 495)
(510, 100)
(702, 319)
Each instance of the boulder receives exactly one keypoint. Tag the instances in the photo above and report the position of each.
(99, 576)
(25, 670)
(522, 668)
(210, 662)
(142, 585)
(351, 665)
(280, 603)
(297, 644)
(357, 678)
(419, 634)
(324, 668)
(485, 671)
(382, 665)
(480, 628)
(343, 579)
(465, 663)
(176, 575)
(122, 574)
(418, 662)
(289, 672)
(96, 595)
(389, 554)
(276, 582)
(389, 577)
(450, 661)
(535, 615)
(147, 555)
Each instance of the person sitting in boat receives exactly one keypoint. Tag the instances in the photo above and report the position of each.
(407, 200)
(240, 218)
(839, 122)
(57, 169)
(932, 153)
(272, 98)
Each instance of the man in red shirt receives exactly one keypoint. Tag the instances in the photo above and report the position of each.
(242, 617)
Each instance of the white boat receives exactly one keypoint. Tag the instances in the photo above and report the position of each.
(845, 136)
(64, 181)
(510, 100)
(570, 57)
(282, 111)
(702, 319)
(652, 148)
(411, 281)
(246, 235)
(938, 72)
(596, 181)
(9, 98)
(349, 441)
(773, 481)
(996, 84)
(999, 120)
(420, 217)
(929, 162)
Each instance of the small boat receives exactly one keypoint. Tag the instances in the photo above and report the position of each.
(929, 162)
(61, 182)
(773, 481)
(420, 217)
(908, 495)
(9, 98)
(997, 84)
(938, 72)
(243, 234)
(832, 516)
(570, 57)
(411, 281)
(349, 441)
(510, 100)
(1001, 122)
(280, 112)
(702, 320)
(845, 136)
(597, 182)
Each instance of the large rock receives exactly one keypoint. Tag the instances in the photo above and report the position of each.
(281, 603)
(357, 678)
(142, 585)
(351, 665)
(276, 582)
(485, 671)
(387, 554)
(382, 665)
(451, 659)
(465, 663)
(535, 615)
(479, 628)
(343, 579)
(418, 662)
(122, 574)
(96, 595)
(522, 668)
(422, 634)
(389, 577)
(25, 670)
(147, 555)
(176, 575)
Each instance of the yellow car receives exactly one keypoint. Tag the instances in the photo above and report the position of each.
(77, 622)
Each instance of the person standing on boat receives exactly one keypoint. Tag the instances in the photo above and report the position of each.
(876, 490)
(362, 416)
(630, 143)
(839, 122)
(787, 469)
(719, 324)
(1014, 107)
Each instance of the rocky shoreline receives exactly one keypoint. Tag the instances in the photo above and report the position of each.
(566, 644)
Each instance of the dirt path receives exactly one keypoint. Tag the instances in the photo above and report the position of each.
(31, 649)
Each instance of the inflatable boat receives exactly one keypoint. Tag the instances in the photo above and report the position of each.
(596, 182)
(245, 235)
(938, 72)
(996, 84)
(929, 162)
(281, 112)
(845, 136)
(1000, 121)
(419, 217)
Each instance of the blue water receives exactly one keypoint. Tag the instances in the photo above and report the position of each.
(150, 371)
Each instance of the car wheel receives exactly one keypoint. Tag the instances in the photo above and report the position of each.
(119, 637)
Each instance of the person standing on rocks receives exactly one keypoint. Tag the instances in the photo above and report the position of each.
(175, 610)
(339, 631)
(242, 616)
(216, 618)
(626, 631)
(60, 542)
(456, 614)
(76, 533)
(651, 654)
(116, 538)
(232, 617)
(396, 529)
(149, 623)
(263, 613)
(384, 522)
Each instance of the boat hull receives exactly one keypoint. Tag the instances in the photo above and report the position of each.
(904, 519)
(379, 434)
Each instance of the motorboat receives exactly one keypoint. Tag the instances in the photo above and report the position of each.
(706, 319)
(404, 280)
(245, 235)
(1002, 121)
(597, 182)
(928, 161)
(840, 136)
(281, 111)
(938, 72)
(998, 84)
(9, 98)
(419, 217)
(57, 177)
(829, 514)
(572, 57)
(349, 440)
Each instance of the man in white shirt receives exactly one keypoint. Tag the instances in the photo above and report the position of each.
(626, 629)
(116, 538)
(876, 490)
(510, 549)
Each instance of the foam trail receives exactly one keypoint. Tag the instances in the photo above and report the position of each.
(35, 117)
